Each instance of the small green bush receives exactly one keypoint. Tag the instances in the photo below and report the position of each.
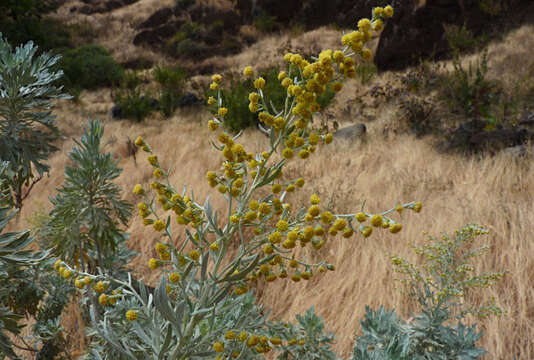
(468, 90)
(365, 72)
(439, 285)
(48, 34)
(133, 103)
(236, 99)
(171, 82)
(266, 23)
(90, 67)
(190, 48)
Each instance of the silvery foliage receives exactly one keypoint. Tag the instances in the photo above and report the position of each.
(27, 126)
(13, 252)
(173, 329)
(386, 337)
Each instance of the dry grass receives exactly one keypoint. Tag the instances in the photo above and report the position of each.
(496, 192)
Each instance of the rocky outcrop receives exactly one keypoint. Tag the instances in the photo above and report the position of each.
(417, 33)
(473, 136)
(351, 132)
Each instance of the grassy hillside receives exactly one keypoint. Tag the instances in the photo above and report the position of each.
(391, 165)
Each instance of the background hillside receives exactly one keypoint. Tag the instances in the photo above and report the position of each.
(414, 148)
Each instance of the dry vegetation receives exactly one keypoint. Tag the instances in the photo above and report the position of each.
(496, 192)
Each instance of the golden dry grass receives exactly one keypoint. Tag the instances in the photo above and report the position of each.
(497, 192)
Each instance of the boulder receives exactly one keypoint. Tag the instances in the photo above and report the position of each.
(116, 112)
(189, 99)
(156, 19)
(156, 36)
(517, 151)
(416, 33)
(351, 132)
(408, 36)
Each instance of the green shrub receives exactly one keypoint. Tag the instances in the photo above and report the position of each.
(47, 33)
(133, 103)
(27, 128)
(235, 98)
(190, 48)
(439, 285)
(266, 23)
(304, 340)
(15, 260)
(365, 72)
(326, 98)
(90, 67)
(171, 87)
(468, 90)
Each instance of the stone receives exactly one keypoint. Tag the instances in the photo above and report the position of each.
(155, 36)
(116, 112)
(189, 99)
(157, 19)
(351, 132)
(516, 151)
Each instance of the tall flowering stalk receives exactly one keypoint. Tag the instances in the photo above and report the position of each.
(197, 310)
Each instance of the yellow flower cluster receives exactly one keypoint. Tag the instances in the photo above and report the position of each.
(261, 344)
(241, 171)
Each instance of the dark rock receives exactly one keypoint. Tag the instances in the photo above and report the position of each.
(138, 64)
(86, 10)
(182, 5)
(157, 19)
(418, 33)
(155, 36)
(189, 99)
(116, 112)
(472, 136)
(209, 15)
(112, 5)
(412, 35)
(517, 151)
(352, 132)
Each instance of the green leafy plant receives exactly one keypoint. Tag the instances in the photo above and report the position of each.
(236, 100)
(15, 258)
(171, 87)
(305, 340)
(439, 285)
(365, 72)
(469, 90)
(84, 223)
(89, 67)
(135, 104)
(266, 23)
(27, 127)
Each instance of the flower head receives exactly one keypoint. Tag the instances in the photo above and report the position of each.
(388, 11)
(259, 83)
(138, 189)
(131, 315)
(248, 72)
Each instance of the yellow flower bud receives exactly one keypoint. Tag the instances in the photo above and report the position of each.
(248, 72)
(131, 315)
